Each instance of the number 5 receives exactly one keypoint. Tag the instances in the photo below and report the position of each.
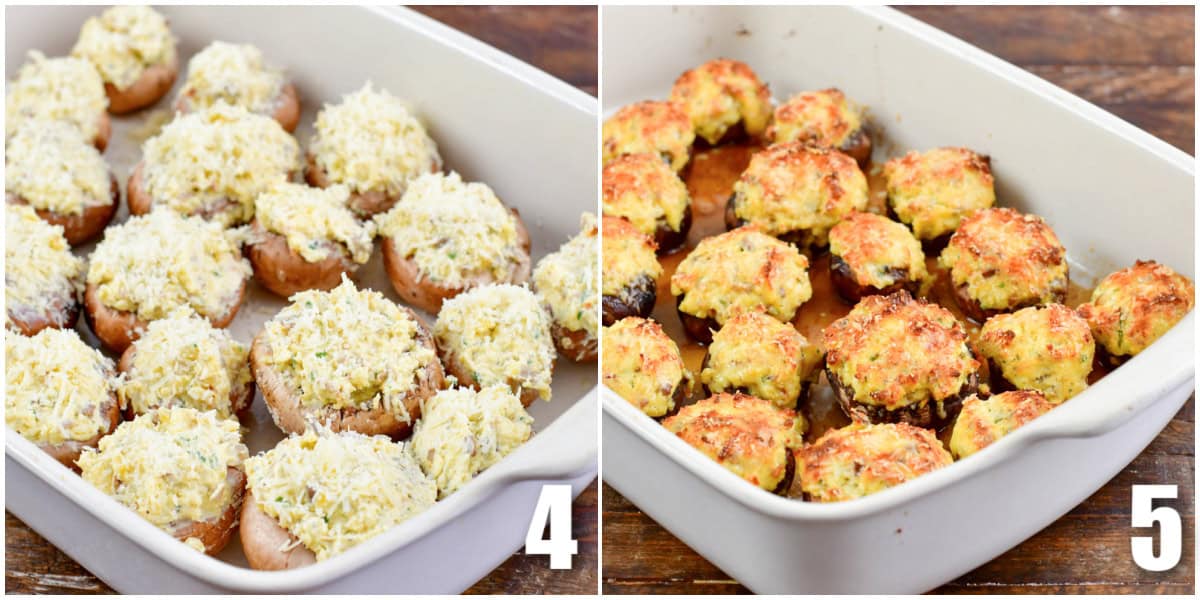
(1171, 529)
(554, 505)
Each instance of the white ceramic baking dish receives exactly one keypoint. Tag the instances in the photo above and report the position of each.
(1112, 192)
(496, 120)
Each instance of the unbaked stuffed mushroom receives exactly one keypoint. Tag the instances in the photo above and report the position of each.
(873, 255)
(725, 101)
(933, 191)
(645, 191)
(42, 278)
(134, 52)
(642, 365)
(826, 119)
(1133, 307)
(983, 421)
(757, 355)
(1044, 348)
(864, 459)
(566, 281)
(652, 127)
(236, 74)
(59, 89)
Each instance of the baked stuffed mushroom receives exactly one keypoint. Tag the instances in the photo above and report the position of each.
(1133, 307)
(236, 74)
(744, 270)
(447, 236)
(874, 255)
(983, 421)
(642, 365)
(59, 392)
(314, 496)
(826, 119)
(1001, 260)
(630, 271)
(645, 191)
(863, 459)
(371, 144)
(49, 166)
(497, 335)
(724, 100)
(895, 359)
(566, 281)
(213, 163)
(42, 278)
(797, 193)
(757, 355)
(749, 436)
(148, 267)
(933, 191)
(1044, 348)
(346, 359)
(134, 52)
(178, 468)
(306, 238)
(59, 89)
(649, 127)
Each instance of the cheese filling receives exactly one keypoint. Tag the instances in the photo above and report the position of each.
(765, 358)
(628, 255)
(235, 74)
(642, 365)
(123, 41)
(50, 166)
(567, 281)
(642, 189)
(1133, 307)
(824, 118)
(660, 128)
(56, 89)
(41, 275)
(56, 387)
(863, 459)
(878, 250)
(1049, 349)
(933, 191)
(719, 94)
(311, 218)
(983, 422)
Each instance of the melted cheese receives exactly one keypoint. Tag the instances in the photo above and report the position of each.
(642, 365)
(1048, 349)
(234, 74)
(719, 94)
(933, 191)
(183, 361)
(217, 161)
(793, 187)
(568, 280)
(56, 89)
(334, 491)
(878, 250)
(760, 356)
(822, 118)
(41, 275)
(1006, 259)
(123, 41)
(645, 191)
(370, 142)
(739, 271)
(983, 422)
(747, 435)
(51, 166)
(348, 348)
(462, 432)
(57, 388)
(893, 351)
(501, 334)
(170, 466)
(653, 127)
(457, 233)
(628, 256)
(1133, 307)
(151, 265)
(312, 218)
(860, 460)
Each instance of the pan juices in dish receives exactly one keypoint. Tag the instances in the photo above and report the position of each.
(59, 89)
(567, 282)
(236, 74)
(43, 280)
(133, 50)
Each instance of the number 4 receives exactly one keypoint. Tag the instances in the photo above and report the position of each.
(1170, 535)
(553, 505)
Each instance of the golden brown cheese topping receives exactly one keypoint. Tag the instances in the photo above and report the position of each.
(878, 250)
(743, 270)
(721, 93)
(567, 281)
(644, 190)
(757, 355)
(860, 460)
(747, 435)
(651, 127)
(56, 89)
(52, 167)
(933, 191)
(822, 118)
(1006, 259)
(642, 365)
(56, 387)
(233, 74)
(1048, 349)
(1133, 307)
(628, 255)
(984, 421)
(893, 351)
(41, 275)
(123, 41)
(792, 187)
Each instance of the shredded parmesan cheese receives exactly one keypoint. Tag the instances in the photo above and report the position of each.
(311, 218)
(123, 41)
(50, 166)
(568, 279)
(233, 74)
(56, 89)
(40, 272)
(56, 387)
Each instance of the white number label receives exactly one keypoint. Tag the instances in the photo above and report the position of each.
(553, 506)
(1170, 536)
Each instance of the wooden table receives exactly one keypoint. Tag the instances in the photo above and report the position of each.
(559, 40)
(1137, 63)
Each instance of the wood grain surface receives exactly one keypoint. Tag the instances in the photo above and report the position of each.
(560, 41)
(1139, 64)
